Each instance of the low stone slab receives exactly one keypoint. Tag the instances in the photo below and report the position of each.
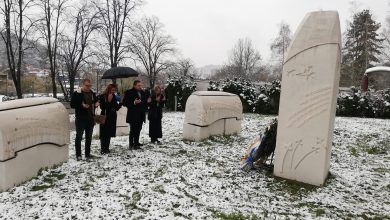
(212, 113)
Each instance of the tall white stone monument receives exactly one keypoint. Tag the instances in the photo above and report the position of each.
(310, 84)
(212, 113)
(34, 134)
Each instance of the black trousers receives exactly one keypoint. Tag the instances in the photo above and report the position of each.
(135, 130)
(105, 144)
(155, 130)
(84, 125)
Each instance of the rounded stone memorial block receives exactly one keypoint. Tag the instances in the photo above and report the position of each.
(212, 113)
(34, 134)
(310, 84)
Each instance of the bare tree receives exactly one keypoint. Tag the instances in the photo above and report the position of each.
(244, 58)
(280, 45)
(184, 67)
(74, 46)
(50, 29)
(150, 45)
(17, 27)
(115, 20)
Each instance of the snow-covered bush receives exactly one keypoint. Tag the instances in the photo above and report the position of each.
(180, 87)
(274, 95)
(368, 104)
(261, 100)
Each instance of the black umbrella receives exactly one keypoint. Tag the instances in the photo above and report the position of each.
(119, 72)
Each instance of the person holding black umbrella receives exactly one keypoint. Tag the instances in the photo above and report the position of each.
(135, 101)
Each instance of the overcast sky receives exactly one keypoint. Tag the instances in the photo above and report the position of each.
(206, 30)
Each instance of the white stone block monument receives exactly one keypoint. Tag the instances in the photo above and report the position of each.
(34, 134)
(122, 128)
(310, 84)
(212, 113)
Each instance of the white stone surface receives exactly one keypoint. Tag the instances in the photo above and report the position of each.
(122, 128)
(212, 113)
(307, 109)
(34, 133)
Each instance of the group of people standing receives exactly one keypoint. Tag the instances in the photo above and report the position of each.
(137, 101)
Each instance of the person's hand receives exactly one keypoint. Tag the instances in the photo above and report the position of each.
(97, 104)
(164, 99)
(149, 100)
(158, 98)
(84, 105)
(137, 101)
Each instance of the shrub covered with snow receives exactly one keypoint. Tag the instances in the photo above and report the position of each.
(263, 100)
(368, 104)
(180, 87)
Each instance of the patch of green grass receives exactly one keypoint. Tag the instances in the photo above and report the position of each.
(125, 196)
(135, 198)
(294, 189)
(329, 179)
(320, 212)
(222, 139)
(49, 180)
(231, 216)
(381, 170)
(209, 161)
(354, 151)
(86, 187)
(57, 175)
(216, 175)
(187, 194)
(40, 187)
(40, 171)
(160, 189)
(182, 179)
(178, 214)
(206, 142)
(103, 175)
(378, 147)
(160, 171)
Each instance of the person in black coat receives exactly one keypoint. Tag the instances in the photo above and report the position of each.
(84, 102)
(135, 101)
(156, 103)
(109, 106)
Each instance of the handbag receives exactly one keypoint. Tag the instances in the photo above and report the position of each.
(98, 118)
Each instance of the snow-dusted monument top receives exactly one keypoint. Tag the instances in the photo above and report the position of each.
(308, 100)
(212, 113)
(34, 134)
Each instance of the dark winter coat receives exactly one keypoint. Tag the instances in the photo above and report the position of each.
(155, 108)
(154, 116)
(109, 109)
(76, 103)
(135, 112)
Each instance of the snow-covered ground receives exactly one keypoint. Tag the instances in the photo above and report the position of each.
(188, 180)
